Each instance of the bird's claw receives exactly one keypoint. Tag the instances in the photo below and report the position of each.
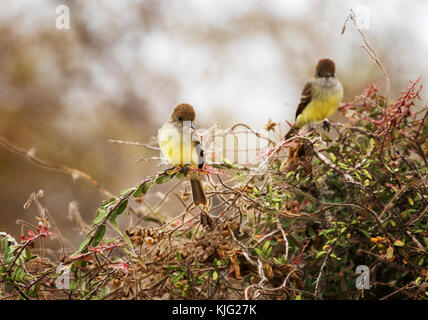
(171, 170)
(326, 125)
(184, 169)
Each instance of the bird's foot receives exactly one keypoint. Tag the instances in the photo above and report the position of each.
(171, 170)
(184, 169)
(326, 125)
(310, 128)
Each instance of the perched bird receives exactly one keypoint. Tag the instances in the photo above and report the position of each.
(179, 145)
(320, 97)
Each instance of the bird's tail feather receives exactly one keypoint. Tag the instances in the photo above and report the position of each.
(197, 192)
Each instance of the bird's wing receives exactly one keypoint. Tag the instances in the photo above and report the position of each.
(305, 98)
(200, 152)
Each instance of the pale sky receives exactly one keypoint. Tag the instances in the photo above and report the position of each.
(245, 83)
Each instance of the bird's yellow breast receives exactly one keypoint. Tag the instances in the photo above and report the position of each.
(321, 107)
(176, 145)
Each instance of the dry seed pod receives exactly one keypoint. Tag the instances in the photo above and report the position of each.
(116, 282)
(235, 226)
(225, 233)
(267, 269)
(149, 241)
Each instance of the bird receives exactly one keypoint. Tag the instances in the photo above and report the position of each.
(181, 148)
(320, 97)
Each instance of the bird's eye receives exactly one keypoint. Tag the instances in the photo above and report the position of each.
(319, 74)
(180, 118)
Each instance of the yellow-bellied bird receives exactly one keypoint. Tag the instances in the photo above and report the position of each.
(320, 97)
(179, 145)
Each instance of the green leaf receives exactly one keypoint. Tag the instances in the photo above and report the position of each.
(180, 175)
(367, 174)
(122, 206)
(127, 240)
(103, 292)
(333, 157)
(410, 201)
(229, 163)
(398, 243)
(343, 165)
(137, 193)
(218, 263)
(101, 214)
(73, 285)
(163, 179)
(146, 187)
(126, 192)
(258, 252)
(321, 253)
(18, 274)
(99, 235)
(215, 275)
(365, 233)
(106, 203)
(288, 175)
(265, 246)
(27, 255)
(256, 191)
(171, 268)
(4, 244)
(83, 244)
(269, 252)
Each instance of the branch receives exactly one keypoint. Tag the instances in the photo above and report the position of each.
(74, 173)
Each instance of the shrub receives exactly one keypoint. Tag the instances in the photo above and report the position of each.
(297, 229)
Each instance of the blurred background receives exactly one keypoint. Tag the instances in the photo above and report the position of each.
(122, 66)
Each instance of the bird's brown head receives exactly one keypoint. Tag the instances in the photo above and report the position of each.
(325, 68)
(183, 112)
